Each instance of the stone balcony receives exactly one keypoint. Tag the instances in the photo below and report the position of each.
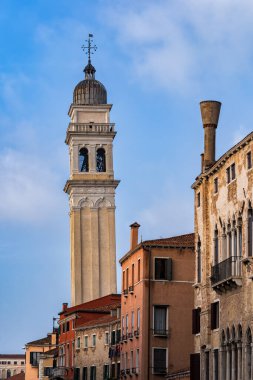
(227, 274)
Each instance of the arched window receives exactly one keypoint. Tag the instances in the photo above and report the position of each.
(8, 373)
(83, 160)
(101, 167)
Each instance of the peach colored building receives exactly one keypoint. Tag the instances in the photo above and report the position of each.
(156, 307)
(34, 350)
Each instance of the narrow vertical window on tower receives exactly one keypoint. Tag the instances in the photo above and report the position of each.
(83, 160)
(101, 167)
(250, 231)
(199, 261)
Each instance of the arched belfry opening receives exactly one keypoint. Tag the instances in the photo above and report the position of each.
(100, 160)
(83, 160)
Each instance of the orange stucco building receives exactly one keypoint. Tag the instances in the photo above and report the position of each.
(156, 307)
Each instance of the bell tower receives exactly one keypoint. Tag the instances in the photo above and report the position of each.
(91, 189)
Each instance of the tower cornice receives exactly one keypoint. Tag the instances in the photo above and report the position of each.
(87, 108)
(72, 183)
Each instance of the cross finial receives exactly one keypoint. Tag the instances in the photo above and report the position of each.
(89, 47)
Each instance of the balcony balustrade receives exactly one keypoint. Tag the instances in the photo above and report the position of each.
(227, 274)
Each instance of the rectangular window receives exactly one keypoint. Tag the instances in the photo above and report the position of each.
(123, 325)
(85, 373)
(199, 262)
(86, 341)
(127, 278)
(113, 337)
(215, 315)
(123, 280)
(216, 247)
(34, 358)
(160, 320)
(138, 319)
(240, 240)
(118, 334)
(76, 373)
(132, 274)
(159, 360)
(106, 337)
(139, 270)
(216, 364)
(198, 199)
(137, 358)
(233, 171)
(113, 375)
(207, 365)
(94, 338)
(127, 324)
(228, 175)
(196, 320)
(15, 362)
(250, 220)
(163, 269)
(106, 373)
(131, 360)
(215, 183)
(118, 370)
(78, 342)
(249, 160)
(132, 322)
(93, 373)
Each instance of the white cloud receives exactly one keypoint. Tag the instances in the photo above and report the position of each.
(29, 189)
(178, 44)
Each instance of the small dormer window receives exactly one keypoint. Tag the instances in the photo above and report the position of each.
(101, 166)
(83, 160)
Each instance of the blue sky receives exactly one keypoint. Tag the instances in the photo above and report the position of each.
(157, 59)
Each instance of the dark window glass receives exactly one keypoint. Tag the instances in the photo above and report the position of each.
(93, 373)
(216, 185)
(113, 374)
(196, 320)
(250, 232)
(216, 364)
(216, 247)
(228, 175)
(240, 240)
(83, 160)
(159, 364)
(163, 269)
(76, 373)
(106, 372)
(8, 373)
(48, 371)
(160, 320)
(101, 160)
(85, 373)
(113, 337)
(207, 365)
(198, 199)
(214, 315)
(233, 171)
(118, 334)
(199, 262)
(67, 326)
(34, 358)
(249, 160)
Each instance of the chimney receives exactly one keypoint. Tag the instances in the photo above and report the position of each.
(64, 306)
(210, 111)
(134, 235)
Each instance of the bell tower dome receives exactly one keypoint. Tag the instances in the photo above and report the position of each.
(91, 189)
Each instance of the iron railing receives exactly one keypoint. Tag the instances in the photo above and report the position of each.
(229, 268)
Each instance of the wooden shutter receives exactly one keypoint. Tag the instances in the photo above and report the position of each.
(169, 269)
(214, 315)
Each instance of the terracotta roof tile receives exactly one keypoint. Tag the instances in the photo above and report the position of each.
(39, 342)
(186, 240)
(12, 356)
(99, 321)
(100, 304)
(19, 376)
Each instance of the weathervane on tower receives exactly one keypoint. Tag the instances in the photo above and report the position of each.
(89, 47)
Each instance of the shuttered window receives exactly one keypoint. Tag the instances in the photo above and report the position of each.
(163, 269)
(215, 315)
